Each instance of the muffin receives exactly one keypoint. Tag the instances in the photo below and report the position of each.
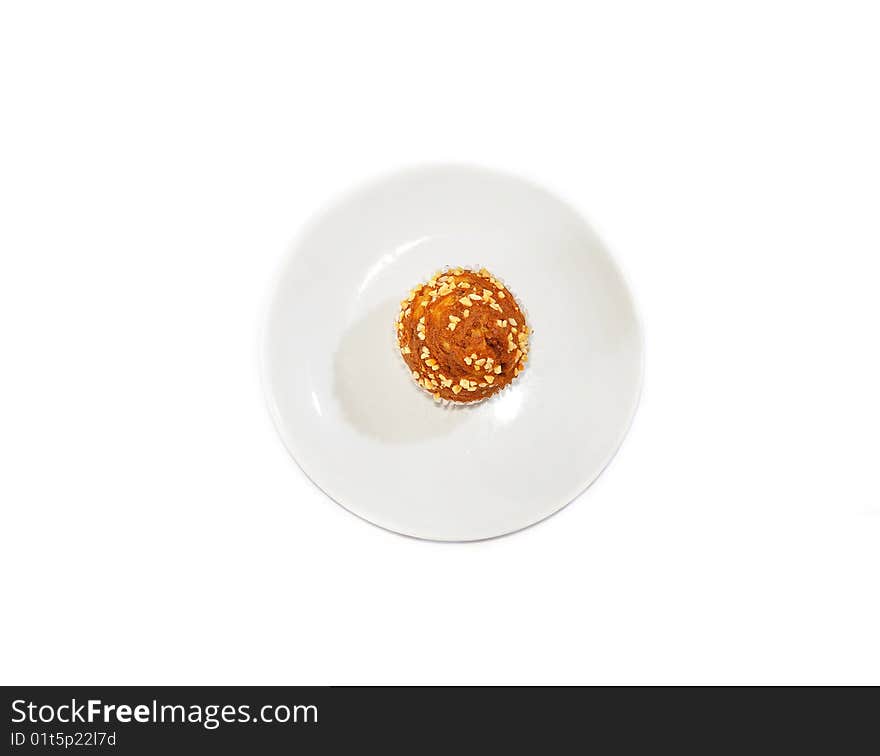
(462, 335)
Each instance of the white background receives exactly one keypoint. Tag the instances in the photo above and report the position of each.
(157, 158)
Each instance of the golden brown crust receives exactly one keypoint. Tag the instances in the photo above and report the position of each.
(462, 335)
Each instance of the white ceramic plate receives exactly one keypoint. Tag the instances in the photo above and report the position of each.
(369, 437)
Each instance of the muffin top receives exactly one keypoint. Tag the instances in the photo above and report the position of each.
(462, 335)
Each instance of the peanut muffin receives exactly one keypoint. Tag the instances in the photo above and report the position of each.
(462, 335)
